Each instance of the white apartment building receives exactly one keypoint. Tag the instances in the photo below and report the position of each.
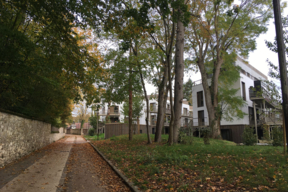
(116, 115)
(232, 130)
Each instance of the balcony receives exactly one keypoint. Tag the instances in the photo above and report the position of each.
(168, 111)
(259, 92)
(153, 109)
(153, 122)
(269, 118)
(198, 82)
(188, 114)
(199, 122)
(102, 113)
(114, 113)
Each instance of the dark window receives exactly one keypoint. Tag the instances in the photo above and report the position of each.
(201, 119)
(226, 134)
(200, 99)
(243, 91)
(251, 115)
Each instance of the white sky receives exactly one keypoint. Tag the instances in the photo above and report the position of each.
(256, 58)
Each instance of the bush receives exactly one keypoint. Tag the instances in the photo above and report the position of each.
(91, 132)
(277, 137)
(249, 138)
(185, 136)
(265, 129)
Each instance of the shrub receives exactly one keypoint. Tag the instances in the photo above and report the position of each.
(185, 136)
(266, 132)
(91, 132)
(277, 137)
(249, 138)
(206, 132)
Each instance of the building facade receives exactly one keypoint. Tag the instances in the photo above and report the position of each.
(259, 110)
(116, 115)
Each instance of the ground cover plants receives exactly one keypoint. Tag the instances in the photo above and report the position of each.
(220, 166)
(95, 137)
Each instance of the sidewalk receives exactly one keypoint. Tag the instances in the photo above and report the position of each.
(45, 170)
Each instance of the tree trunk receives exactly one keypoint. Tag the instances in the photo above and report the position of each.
(130, 105)
(282, 62)
(208, 96)
(107, 119)
(179, 73)
(147, 105)
(171, 133)
(216, 132)
(161, 105)
(168, 59)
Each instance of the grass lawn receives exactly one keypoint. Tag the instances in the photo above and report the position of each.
(220, 166)
(94, 138)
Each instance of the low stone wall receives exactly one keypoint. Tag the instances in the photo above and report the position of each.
(20, 136)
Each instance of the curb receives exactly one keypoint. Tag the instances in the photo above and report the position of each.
(125, 179)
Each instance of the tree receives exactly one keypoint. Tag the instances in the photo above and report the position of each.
(221, 30)
(118, 65)
(274, 69)
(165, 12)
(42, 66)
(136, 108)
(187, 91)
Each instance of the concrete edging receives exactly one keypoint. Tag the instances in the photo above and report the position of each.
(125, 179)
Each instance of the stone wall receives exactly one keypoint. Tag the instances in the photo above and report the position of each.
(20, 136)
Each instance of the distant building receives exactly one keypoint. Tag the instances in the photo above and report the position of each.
(116, 116)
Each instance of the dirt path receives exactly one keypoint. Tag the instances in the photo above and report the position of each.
(87, 171)
(69, 164)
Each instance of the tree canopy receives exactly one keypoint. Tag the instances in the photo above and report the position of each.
(42, 63)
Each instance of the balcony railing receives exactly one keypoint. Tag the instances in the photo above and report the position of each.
(270, 118)
(114, 113)
(153, 109)
(102, 112)
(260, 91)
(168, 111)
(188, 114)
(111, 113)
(198, 82)
(153, 122)
(204, 122)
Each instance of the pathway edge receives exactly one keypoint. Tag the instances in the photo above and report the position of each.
(125, 179)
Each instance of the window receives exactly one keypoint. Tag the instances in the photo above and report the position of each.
(251, 115)
(116, 109)
(201, 119)
(185, 111)
(200, 99)
(243, 91)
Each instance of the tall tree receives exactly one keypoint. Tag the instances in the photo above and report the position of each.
(40, 52)
(137, 107)
(187, 91)
(220, 29)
